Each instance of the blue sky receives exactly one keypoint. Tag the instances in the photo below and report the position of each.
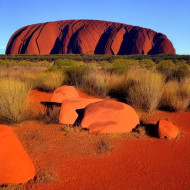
(171, 17)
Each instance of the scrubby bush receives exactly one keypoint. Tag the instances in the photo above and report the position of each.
(25, 63)
(97, 83)
(75, 74)
(181, 71)
(140, 88)
(13, 104)
(146, 91)
(7, 62)
(49, 81)
(176, 95)
(62, 64)
(173, 71)
(119, 67)
(147, 62)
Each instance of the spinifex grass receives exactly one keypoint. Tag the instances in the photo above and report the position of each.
(13, 104)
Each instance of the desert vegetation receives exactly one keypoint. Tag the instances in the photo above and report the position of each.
(145, 82)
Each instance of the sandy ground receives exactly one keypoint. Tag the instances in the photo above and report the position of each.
(72, 160)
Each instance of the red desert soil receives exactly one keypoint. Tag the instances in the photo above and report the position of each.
(145, 163)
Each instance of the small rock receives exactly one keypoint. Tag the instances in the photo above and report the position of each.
(167, 130)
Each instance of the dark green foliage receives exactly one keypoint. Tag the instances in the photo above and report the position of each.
(75, 75)
(98, 58)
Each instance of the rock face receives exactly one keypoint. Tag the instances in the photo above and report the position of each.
(167, 130)
(15, 164)
(87, 36)
(109, 116)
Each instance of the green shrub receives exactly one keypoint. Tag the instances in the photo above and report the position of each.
(13, 104)
(120, 66)
(25, 63)
(75, 74)
(62, 64)
(173, 71)
(147, 62)
(7, 62)
(181, 71)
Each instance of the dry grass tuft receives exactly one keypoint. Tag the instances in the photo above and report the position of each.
(13, 105)
(146, 91)
(103, 146)
(176, 95)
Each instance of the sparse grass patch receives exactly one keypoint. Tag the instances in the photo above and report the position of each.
(139, 132)
(52, 116)
(104, 147)
(12, 187)
(44, 177)
(13, 104)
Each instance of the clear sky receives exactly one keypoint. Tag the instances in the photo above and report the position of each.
(171, 17)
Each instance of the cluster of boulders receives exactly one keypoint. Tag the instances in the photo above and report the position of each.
(98, 115)
(103, 115)
(95, 114)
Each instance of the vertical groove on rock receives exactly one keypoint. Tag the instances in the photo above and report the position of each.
(24, 48)
(100, 48)
(73, 46)
(24, 38)
(39, 36)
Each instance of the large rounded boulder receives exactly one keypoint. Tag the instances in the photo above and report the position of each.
(167, 130)
(109, 116)
(15, 164)
(64, 93)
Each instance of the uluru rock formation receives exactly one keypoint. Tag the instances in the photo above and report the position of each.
(15, 164)
(87, 36)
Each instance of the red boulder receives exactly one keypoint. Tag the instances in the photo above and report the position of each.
(109, 116)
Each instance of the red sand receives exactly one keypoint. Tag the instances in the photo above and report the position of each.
(147, 163)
